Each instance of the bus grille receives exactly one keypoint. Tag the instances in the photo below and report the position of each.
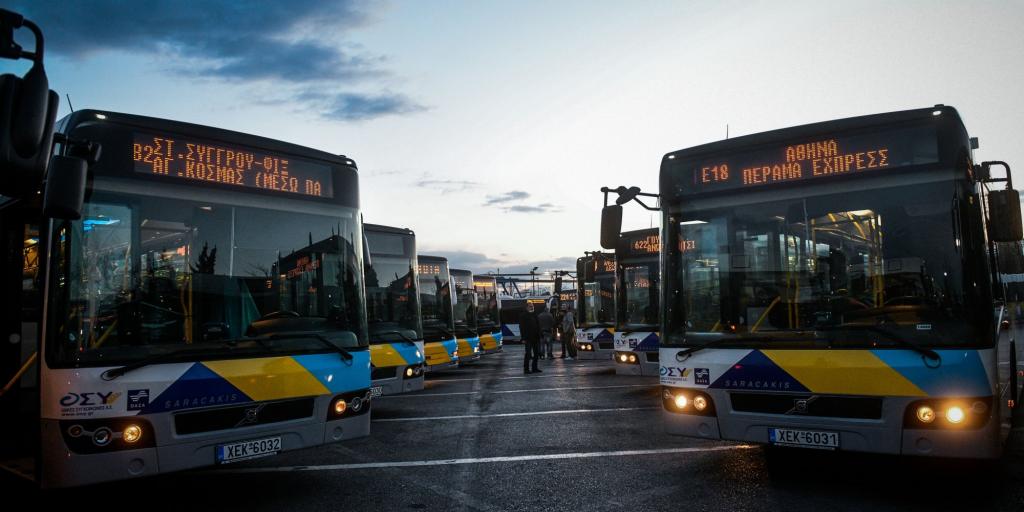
(606, 345)
(227, 418)
(867, 408)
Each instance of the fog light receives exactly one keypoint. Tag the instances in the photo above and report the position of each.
(925, 414)
(408, 372)
(75, 430)
(132, 433)
(102, 436)
(632, 358)
(340, 406)
(954, 415)
(681, 401)
(700, 403)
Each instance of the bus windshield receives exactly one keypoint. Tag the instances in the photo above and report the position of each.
(392, 296)
(141, 277)
(465, 312)
(487, 307)
(599, 300)
(861, 268)
(640, 285)
(436, 303)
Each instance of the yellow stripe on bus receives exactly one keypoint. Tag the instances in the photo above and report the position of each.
(844, 372)
(383, 356)
(488, 342)
(270, 378)
(436, 353)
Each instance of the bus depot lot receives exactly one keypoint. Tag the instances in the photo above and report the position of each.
(575, 437)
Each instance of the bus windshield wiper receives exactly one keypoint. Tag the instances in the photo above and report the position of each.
(165, 357)
(707, 344)
(405, 339)
(924, 351)
(345, 354)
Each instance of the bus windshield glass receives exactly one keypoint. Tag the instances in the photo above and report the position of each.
(599, 300)
(436, 301)
(142, 277)
(640, 286)
(465, 305)
(392, 296)
(854, 268)
(487, 307)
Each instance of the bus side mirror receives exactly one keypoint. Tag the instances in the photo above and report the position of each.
(611, 226)
(65, 188)
(1004, 216)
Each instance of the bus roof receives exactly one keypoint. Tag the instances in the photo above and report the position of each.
(434, 259)
(378, 228)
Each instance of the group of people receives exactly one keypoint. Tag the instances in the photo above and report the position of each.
(537, 330)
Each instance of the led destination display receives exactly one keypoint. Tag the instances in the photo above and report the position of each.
(198, 162)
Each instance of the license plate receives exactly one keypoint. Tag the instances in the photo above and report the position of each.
(804, 438)
(376, 391)
(235, 452)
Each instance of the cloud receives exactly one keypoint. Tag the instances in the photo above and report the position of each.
(237, 41)
(447, 186)
(540, 208)
(514, 195)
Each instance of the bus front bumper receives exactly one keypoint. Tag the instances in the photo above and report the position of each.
(400, 383)
(642, 363)
(873, 436)
(171, 452)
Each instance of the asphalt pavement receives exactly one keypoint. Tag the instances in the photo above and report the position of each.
(575, 437)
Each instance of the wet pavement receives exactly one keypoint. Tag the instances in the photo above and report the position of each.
(575, 437)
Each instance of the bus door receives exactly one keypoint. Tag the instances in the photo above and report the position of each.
(20, 313)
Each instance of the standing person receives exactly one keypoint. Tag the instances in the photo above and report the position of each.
(529, 332)
(547, 332)
(568, 335)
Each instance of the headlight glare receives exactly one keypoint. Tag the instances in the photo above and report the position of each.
(132, 433)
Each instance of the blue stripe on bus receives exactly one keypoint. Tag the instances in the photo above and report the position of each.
(197, 387)
(336, 375)
(961, 373)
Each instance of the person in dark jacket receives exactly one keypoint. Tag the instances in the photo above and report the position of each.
(529, 332)
(547, 332)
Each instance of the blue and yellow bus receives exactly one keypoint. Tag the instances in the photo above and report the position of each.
(393, 311)
(488, 314)
(832, 286)
(595, 310)
(441, 348)
(636, 305)
(465, 315)
(207, 306)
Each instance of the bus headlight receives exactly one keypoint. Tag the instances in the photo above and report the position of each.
(622, 358)
(681, 401)
(960, 413)
(687, 401)
(700, 403)
(340, 406)
(925, 414)
(955, 415)
(632, 358)
(132, 433)
(409, 372)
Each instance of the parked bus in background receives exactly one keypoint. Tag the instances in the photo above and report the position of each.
(488, 314)
(510, 310)
(831, 286)
(436, 304)
(636, 306)
(566, 301)
(465, 313)
(393, 311)
(206, 307)
(595, 312)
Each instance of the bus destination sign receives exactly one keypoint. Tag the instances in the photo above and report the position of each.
(817, 157)
(198, 162)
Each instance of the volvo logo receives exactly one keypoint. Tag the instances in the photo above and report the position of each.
(800, 405)
(252, 415)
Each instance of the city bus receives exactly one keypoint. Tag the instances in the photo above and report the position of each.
(595, 310)
(636, 305)
(207, 306)
(832, 286)
(393, 311)
(510, 308)
(488, 314)
(441, 348)
(465, 310)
